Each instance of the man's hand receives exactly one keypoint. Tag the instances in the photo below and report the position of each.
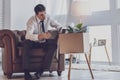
(40, 36)
(46, 35)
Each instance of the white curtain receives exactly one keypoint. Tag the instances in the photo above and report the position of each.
(58, 9)
(1, 14)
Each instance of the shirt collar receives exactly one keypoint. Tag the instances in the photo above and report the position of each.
(40, 20)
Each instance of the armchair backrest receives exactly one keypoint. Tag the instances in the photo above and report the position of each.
(20, 35)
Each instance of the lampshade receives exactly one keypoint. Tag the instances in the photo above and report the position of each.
(81, 7)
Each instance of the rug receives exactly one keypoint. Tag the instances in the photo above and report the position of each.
(95, 67)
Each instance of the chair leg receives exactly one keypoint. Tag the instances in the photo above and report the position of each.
(9, 75)
(89, 66)
(107, 55)
(69, 71)
(5, 73)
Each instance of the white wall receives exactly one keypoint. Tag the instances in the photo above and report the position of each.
(21, 11)
(17, 12)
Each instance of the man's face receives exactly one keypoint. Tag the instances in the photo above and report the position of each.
(41, 15)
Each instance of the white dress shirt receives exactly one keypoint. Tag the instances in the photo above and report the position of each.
(34, 28)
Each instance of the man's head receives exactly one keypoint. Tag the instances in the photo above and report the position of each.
(40, 11)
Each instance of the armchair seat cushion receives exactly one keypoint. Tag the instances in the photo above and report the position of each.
(37, 55)
(34, 52)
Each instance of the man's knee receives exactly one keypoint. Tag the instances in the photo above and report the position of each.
(53, 45)
(26, 43)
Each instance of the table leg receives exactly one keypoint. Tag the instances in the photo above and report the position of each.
(69, 71)
(90, 55)
(107, 55)
(89, 66)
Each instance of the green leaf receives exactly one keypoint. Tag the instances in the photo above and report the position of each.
(70, 29)
(79, 26)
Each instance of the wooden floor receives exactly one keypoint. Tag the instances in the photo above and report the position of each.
(75, 75)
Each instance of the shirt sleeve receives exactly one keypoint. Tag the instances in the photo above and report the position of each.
(30, 30)
(55, 24)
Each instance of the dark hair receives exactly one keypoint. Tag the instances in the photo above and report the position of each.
(39, 8)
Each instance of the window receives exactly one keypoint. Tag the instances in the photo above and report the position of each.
(97, 33)
(118, 4)
(100, 5)
(1, 22)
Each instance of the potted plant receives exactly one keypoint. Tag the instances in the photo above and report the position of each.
(77, 28)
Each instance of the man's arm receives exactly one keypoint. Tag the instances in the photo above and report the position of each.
(29, 32)
(55, 24)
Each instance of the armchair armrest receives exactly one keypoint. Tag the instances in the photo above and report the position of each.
(7, 33)
(1, 43)
(8, 42)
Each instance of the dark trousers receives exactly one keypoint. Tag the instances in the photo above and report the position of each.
(49, 47)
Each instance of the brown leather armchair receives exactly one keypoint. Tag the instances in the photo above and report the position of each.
(11, 44)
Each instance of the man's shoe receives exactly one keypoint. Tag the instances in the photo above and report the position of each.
(28, 77)
(38, 74)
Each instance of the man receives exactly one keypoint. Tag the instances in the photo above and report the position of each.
(37, 35)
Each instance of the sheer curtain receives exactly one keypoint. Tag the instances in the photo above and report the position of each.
(57, 9)
(1, 22)
(1, 14)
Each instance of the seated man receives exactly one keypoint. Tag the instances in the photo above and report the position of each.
(37, 35)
